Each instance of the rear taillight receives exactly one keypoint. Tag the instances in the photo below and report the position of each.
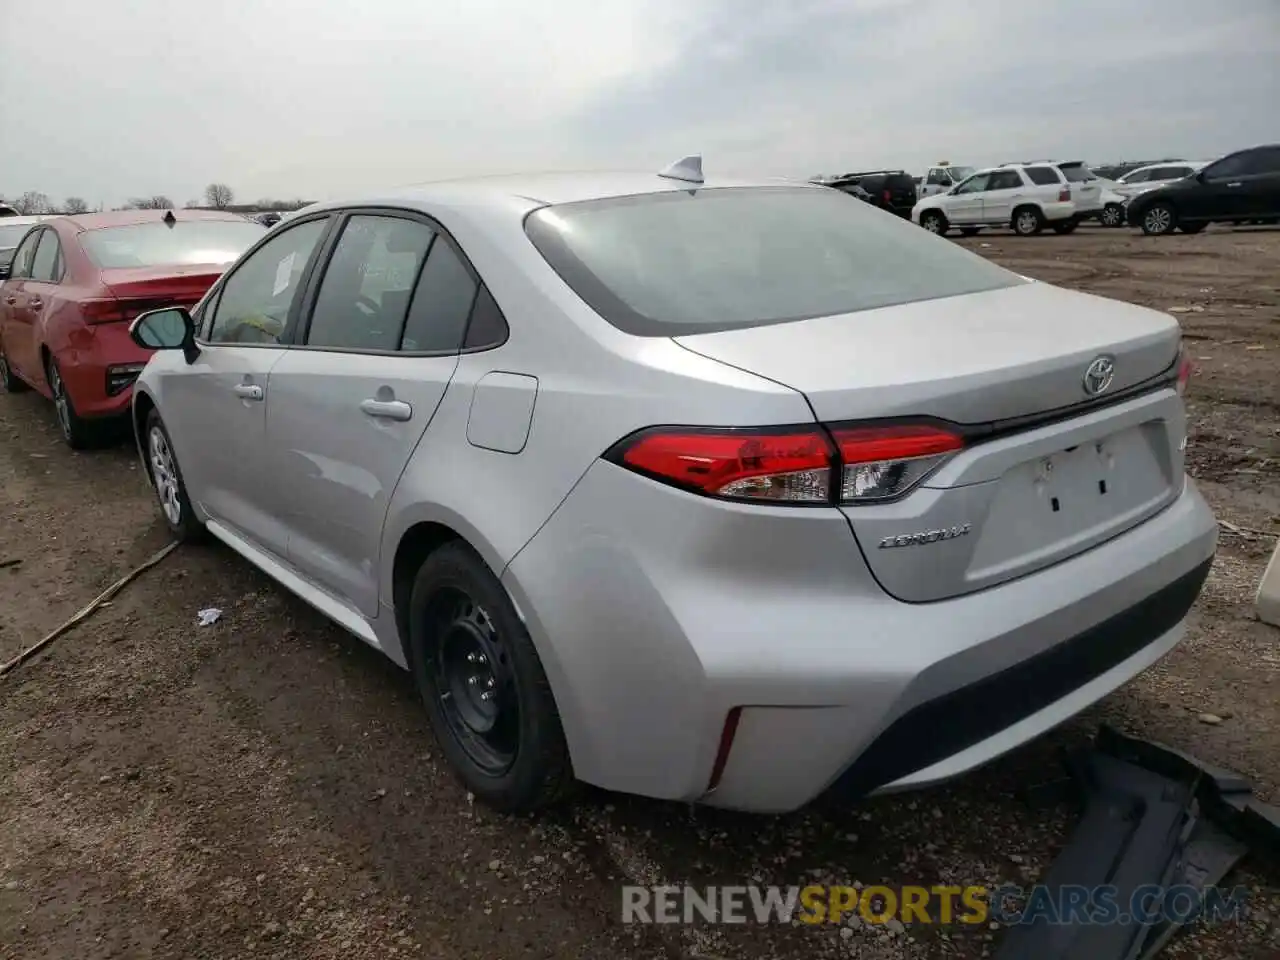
(101, 311)
(1064, 194)
(836, 464)
(888, 197)
(1185, 369)
(881, 463)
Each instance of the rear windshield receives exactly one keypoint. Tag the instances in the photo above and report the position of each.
(687, 262)
(1076, 172)
(158, 244)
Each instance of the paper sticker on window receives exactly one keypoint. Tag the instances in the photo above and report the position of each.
(284, 274)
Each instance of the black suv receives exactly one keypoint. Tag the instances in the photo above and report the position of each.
(892, 190)
(1242, 187)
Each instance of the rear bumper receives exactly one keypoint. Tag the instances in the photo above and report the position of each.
(655, 621)
(99, 374)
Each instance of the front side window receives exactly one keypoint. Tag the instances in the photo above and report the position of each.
(25, 253)
(161, 244)
(1170, 173)
(1233, 166)
(687, 262)
(1263, 160)
(938, 178)
(975, 184)
(364, 296)
(45, 265)
(254, 301)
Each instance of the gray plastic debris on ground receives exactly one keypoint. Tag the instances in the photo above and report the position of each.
(1152, 815)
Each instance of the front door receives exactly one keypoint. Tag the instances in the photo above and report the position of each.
(219, 404)
(17, 322)
(965, 204)
(1218, 193)
(351, 401)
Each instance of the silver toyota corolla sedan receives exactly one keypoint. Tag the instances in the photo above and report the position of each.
(720, 491)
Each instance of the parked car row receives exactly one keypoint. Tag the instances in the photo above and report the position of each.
(645, 478)
(892, 190)
(1029, 196)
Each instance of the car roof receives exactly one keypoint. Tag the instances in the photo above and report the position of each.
(536, 190)
(127, 218)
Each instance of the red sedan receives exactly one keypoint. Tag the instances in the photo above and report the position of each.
(75, 284)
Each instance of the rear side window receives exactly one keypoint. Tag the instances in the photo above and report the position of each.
(1076, 172)
(686, 262)
(441, 303)
(47, 265)
(1043, 176)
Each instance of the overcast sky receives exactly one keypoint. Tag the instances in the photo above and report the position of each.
(317, 98)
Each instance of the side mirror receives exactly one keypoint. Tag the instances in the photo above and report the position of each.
(1199, 175)
(170, 328)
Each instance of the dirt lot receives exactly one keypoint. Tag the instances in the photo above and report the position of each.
(267, 786)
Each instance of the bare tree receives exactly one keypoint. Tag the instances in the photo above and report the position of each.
(218, 195)
(157, 202)
(33, 204)
(74, 205)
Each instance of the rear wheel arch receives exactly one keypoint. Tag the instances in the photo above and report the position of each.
(142, 406)
(416, 544)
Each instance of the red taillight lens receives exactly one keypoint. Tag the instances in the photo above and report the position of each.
(1185, 369)
(881, 463)
(888, 197)
(106, 310)
(792, 465)
(1064, 194)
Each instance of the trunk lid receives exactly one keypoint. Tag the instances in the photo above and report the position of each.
(139, 289)
(1022, 496)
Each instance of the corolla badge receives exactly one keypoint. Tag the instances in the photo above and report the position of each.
(1099, 375)
(926, 536)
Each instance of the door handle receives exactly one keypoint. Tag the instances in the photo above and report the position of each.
(10, 300)
(1236, 184)
(248, 391)
(35, 303)
(387, 409)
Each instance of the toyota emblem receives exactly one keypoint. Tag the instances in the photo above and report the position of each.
(1099, 375)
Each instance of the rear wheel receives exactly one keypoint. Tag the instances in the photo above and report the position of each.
(1191, 227)
(934, 221)
(970, 231)
(10, 382)
(1112, 215)
(1160, 219)
(1068, 226)
(484, 688)
(78, 432)
(166, 480)
(1027, 221)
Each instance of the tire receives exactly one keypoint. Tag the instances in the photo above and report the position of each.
(1191, 227)
(970, 231)
(1112, 215)
(10, 382)
(1027, 221)
(79, 433)
(935, 222)
(486, 694)
(1159, 219)
(167, 482)
(1065, 228)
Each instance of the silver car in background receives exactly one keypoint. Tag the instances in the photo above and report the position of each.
(720, 491)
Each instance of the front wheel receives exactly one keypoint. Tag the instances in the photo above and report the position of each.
(166, 480)
(1112, 215)
(934, 222)
(1160, 219)
(484, 688)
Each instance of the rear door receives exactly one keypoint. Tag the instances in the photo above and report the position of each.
(17, 336)
(1004, 190)
(351, 400)
(216, 407)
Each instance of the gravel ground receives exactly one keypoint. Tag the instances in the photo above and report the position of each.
(267, 786)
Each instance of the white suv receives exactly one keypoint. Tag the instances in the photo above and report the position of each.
(1026, 197)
